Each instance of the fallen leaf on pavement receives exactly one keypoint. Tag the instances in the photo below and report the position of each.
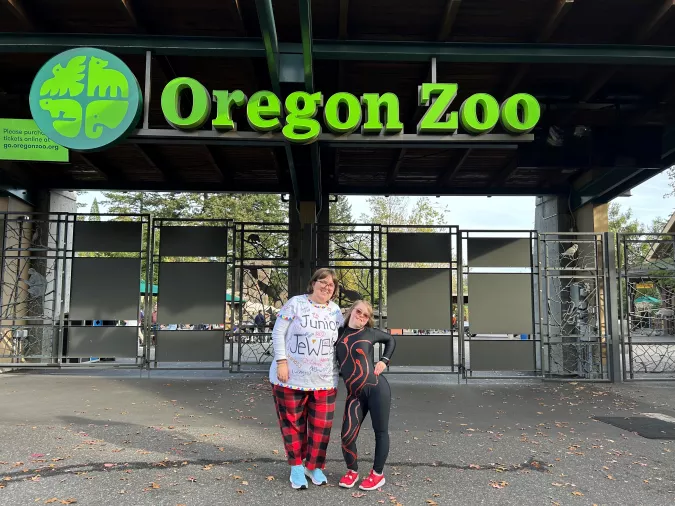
(49, 501)
(240, 491)
(70, 500)
(358, 495)
(431, 502)
(244, 483)
(499, 484)
(270, 478)
(577, 493)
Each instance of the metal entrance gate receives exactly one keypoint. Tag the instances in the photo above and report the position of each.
(69, 286)
(476, 304)
(397, 268)
(498, 271)
(188, 324)
(260, 274)
(573, 311)
(647, 305)
(33, 258)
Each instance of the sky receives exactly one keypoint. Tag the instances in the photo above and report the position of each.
(516, 213)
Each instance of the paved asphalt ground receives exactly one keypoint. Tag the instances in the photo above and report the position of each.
(210, 439)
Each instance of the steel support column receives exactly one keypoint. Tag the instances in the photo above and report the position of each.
(611, 300)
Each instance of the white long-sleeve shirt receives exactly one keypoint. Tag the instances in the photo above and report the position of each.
(304, 335)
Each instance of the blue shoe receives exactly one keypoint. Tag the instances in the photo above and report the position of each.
(298, 480)
(317, 476)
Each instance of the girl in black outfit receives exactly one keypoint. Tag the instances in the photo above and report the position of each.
(368, 391)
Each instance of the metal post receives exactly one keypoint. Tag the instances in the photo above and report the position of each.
(380, 287)
(452, 331)
(61, 293)
(234, 291)
(222, 347)
(460, 306)
(540, 293)
(611, 313)
(148, 89)
(242, 255)
(149, 285)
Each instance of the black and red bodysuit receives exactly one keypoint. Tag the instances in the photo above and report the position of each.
(367, 393)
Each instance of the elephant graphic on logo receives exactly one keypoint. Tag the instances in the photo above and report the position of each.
(105, 80)
(68, 112)
(103, 113)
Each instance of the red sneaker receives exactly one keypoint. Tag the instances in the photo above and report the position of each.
(373, 482)
(349, 479)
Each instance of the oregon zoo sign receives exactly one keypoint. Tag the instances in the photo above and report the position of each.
(344, 113)
(85, 99)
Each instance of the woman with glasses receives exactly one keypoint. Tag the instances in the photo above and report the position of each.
(304, 376)
(367, 391)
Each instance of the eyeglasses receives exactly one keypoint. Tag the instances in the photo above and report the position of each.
(361, 314)
(326, 284)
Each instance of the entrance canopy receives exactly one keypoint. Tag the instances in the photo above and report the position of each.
(601, 71)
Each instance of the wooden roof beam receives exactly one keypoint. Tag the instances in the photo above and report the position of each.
(217, 160)
(344, 19)
(448, 175)
(506, 172)
(449, 17)
(154, 158)
(644, 32)
(139, 20)
(553, 21)
(396, 166)
(130, 9)
(107, 172)
(17, 9)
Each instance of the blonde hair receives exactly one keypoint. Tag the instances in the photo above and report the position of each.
(323, 274)
(371, 318)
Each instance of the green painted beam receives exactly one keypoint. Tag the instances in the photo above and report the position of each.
(608, 54)
(133, 44)
(494, 52)
(609, 185)
(306, 37)
(268, 29)
(307, 59)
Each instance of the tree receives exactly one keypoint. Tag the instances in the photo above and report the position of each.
(395, 211)
(621, 221)
(94, 211)
(200, 206)
(340, 211)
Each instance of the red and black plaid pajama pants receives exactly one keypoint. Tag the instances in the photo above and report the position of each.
(305, 419)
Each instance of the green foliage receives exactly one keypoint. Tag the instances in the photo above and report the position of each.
(196, 206)
(395, 211)
(621, 221)
(94, 211)
(340, 211)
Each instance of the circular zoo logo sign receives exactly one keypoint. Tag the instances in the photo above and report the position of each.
(85, 99)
